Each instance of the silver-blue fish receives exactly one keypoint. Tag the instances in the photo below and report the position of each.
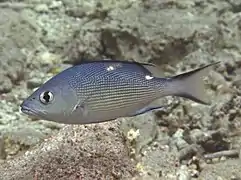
(99, 91)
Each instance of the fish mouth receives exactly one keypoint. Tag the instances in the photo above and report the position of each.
(31, 112)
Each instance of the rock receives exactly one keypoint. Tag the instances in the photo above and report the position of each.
(183, 173)
(180, 143)
(188, 152)
(42, 8)
(178, 134)
(16, 36)
(145, 126)
(34, 83)
(150, 37)
(55, 4)
(225, 170)
(3, 153)
(178, 140)
(5, 84)
(196, 136)
(85, 152)
(159, 163)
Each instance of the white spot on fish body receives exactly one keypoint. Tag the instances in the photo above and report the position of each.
(110, 68)
(148, 77)
(113, 66)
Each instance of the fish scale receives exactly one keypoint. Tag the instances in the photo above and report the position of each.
(116, 88)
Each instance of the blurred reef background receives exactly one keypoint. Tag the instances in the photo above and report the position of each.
(39, 38)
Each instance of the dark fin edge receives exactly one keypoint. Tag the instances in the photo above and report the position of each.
(186, 74)
(193, 98)
(116, 61)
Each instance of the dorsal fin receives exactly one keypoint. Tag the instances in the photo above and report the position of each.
(117, 61)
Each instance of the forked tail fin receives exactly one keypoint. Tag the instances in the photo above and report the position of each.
(191, 85)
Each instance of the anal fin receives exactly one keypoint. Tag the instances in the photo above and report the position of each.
(146, 109)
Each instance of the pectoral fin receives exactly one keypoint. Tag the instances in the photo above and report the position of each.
(81, 107)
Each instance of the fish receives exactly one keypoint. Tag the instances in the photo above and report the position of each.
(105, 90)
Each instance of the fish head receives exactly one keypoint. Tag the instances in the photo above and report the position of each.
(52, 101)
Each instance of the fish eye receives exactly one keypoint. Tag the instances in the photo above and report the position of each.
(46, 97)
